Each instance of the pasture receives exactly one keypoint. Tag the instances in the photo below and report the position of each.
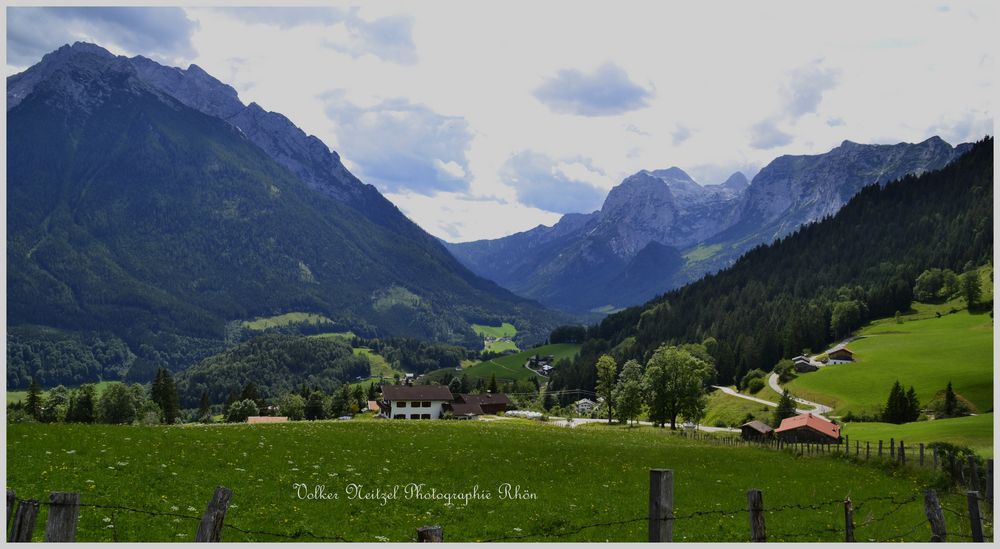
(587, 484)
(976, 432)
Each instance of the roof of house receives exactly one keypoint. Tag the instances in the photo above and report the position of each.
(373, 406)
(466, 409)
(416, 392)
(485, 398)
(815, 423)
(758, 426)
(840, 347)
(801, 358)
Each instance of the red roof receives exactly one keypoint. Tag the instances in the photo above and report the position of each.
(815, 423)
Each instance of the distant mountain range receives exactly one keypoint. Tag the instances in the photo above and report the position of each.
(146, 200)
(660, 229)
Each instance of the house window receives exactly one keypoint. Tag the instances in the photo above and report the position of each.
(400, 405)
(425, 404)
(414, 416)
(415, 404)
(425, 416)
(399, 416)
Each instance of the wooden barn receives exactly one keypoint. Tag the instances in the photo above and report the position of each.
(840, 355)
(803, 364)
(490, 403)
(808, 428)
(756, 430)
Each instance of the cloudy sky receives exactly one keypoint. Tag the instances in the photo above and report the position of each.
(480, 119)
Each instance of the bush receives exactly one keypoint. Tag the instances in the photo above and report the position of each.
(241, 410)
(750, 376)
(755, 385)
(954, 462)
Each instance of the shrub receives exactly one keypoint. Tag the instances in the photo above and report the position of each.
(241, 410)
(755, 385)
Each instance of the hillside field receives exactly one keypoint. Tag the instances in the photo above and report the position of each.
(581, 480)
(925, 353)
(511, 367)
(285, 319)
(976, 432)
(15, 396)
(506, 329)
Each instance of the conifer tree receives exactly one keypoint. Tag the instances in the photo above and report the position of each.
(34, 404)
(785, 409)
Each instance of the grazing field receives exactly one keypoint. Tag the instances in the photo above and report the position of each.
(728, 411)
(347, 336)
(505, 330)
(379, 366)
(264, 323)
(976, 432)
(16, 396)
(926, 353)
(581, 480)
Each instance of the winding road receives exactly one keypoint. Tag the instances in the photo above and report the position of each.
(814, 407)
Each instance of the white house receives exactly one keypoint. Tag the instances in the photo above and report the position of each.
(584, 405)
(414, 401)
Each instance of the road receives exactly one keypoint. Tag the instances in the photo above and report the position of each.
(582, 420)
(731, 392)
(817, 408)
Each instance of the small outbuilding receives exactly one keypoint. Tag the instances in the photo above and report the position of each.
(808, 428)
(489, 403)
(804, 364)
(266, 419)
(756, 430)
(840, 355)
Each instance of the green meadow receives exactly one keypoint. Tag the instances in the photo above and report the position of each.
(925, 353)
(15, 396)
(976, 432)
(584, 484)
(504, 330)
(511, 367)
(285, 319)
(728, 411)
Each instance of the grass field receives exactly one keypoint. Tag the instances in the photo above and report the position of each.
(976, 432)
(510, 367)
(15, 396)
(731, 410)
(579, 477)
(504, 330)
(264, 323)
(347, 336)
(379, 366)
(925, 353)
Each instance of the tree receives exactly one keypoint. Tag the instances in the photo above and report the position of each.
(912, 405)
(493, 389)
(971, 288)
(292, 406)
(785, 409)
(950, 401)
(674, 384)
(241, 410)
(56, 404)
(164, 394)
(82, 405)
(455, 386)
(204, 406)
(34, 404)
(901, 406)
(606, 370)
(548, 401)
(315, 408)
(117, 404)
(628, 392)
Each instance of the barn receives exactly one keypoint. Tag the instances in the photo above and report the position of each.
(489, 403)
(756, 430)
(808, 428)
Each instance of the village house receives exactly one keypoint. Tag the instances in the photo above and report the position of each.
(804, 364)
(756, 430)
(840, 355)
(266, 419)
(464, 410)
(808, 428)
(584, 406)
(414, 401)
(489, 403)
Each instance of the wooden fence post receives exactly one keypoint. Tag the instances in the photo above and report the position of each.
(430, 534)
(921, 454)
(11, 498)
(902, 453)
(848, 521)
(932, 508)
(755, 503)
(210, 528)
(857, 448)
(973, 474)
(892, 449)
(847, 444)
(868, 450)
(989, 483)
(934, 457)
(975, 519)
(661, 505)
(880, 448)
(64, 508)
(24, 521)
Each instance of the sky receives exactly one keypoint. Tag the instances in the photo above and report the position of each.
(482, 119)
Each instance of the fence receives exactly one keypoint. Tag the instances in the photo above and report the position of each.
(64, 509)
(897, 452)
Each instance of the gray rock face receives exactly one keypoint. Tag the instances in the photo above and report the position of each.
(625, 253)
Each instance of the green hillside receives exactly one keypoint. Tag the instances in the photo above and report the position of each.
(926, 353)
(581, 478)
(976, 432)
(511, 367)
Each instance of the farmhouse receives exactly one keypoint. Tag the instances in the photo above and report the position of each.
(464, 410)
(756, 430)
(840, 355)
(584, 406)
(414, 401)
(488, 403)
(808, 428)
(266, 419)
(804, 364)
